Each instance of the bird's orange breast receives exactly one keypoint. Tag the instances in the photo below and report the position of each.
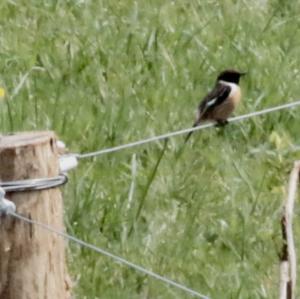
(235, 95)
(224, 110)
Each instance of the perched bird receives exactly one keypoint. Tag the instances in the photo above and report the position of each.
(221, 101)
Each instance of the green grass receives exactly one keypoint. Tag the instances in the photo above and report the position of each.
(103, 73)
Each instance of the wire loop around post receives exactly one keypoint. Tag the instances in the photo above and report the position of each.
(34, 184)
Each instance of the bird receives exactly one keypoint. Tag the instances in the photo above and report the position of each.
(221, 101)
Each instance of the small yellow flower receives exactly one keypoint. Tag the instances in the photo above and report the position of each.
(2, 92)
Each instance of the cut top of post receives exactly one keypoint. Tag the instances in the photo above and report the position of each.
(28, 155)
(25, 138)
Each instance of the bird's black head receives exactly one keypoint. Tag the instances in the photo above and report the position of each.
(231, 76)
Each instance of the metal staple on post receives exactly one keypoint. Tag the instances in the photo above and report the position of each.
(6, 206)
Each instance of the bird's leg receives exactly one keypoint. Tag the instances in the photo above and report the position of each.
(221, 122)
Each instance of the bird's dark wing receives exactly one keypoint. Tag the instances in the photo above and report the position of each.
(215, 98)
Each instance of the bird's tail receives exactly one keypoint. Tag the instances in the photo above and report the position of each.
(190, 133)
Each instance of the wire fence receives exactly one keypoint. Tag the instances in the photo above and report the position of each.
(108, 254)
(134, 144)
(185, 131)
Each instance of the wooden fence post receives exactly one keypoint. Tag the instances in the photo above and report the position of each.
(32, 261)
(288, 260)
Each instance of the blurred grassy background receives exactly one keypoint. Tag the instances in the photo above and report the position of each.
(103, 73)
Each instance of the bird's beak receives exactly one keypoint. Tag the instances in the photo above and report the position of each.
(243, 74)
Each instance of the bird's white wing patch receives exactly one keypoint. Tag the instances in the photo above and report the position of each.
(211, 102)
